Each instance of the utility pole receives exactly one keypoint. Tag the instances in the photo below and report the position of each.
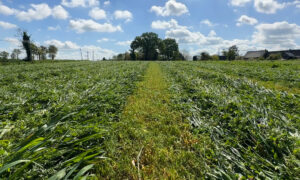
(93, 56)
(81, 54)
(87, 56)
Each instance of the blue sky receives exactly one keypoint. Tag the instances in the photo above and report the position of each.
(106, 27)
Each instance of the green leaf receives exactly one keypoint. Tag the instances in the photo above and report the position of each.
(4, 168)
(59, 175)
(83, 170)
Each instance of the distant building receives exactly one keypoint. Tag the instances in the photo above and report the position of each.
(288, 54)
(285, 54)
(222, 58)
(254, 54)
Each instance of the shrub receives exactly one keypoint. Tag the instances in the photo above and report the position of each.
(275, 57)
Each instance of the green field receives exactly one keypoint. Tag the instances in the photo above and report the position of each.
(150, 120)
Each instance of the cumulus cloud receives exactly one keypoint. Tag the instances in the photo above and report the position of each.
(37, 12)
(183, 35)
(166, 24)
(51, 28)
(97, 13)
(246, 20)
(103, 40)
(268, 6)
(83, 25)
(80, 3)
(13, 41)
(123, 15)
(59, 12)
(208, 23)
(70, 50)
(6, 10)
(211, 42)
(171, 8)
(124, 43)
(62, 45)
(239, 2)
(106, 3)
(277, 35)
(7, 25)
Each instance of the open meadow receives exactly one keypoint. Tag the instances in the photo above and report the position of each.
(150, 120)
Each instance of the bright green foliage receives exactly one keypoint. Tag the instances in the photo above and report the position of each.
(4, 55)
(147, 43)
(185, 120)
(54, 115)
(169, 49)
(247, 131)
(52, 50)
(283, 74)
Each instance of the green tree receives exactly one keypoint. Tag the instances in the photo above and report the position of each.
(205, 56)
(148, 44)
(169, 49)
(232, 53)
(52, 50)
(43, 51)
(195, 58)
(15, 54)
(266, 54)
(120, 56)
(275, 56)
(34, 50)
(215, 57)
(135, 46)
(4, 55)
(27, 46)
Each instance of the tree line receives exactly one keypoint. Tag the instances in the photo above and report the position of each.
(231, 54)
(32, 50)
(149, 46)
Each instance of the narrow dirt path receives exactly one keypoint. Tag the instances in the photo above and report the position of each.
(151, 141)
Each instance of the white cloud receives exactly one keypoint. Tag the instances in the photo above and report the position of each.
(166, 24)
(208, 23)
(6, 10)
(97, 13)
(51, 28)
(212, 33)
(103, 40)
(183, 35)
(37, 12)
(106, 3)
(83, 25)
(62, 45)
(239, 2)
(124, 43)
(210, 43)
(246, 20)
(99, 52)
(268, 6)
(171, 8)
(277, 35)
(13, 41)
(70, 50)
(123, 15)
(7, 25)
(59, 12)
(80, 3)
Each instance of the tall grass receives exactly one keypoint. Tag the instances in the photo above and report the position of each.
(54, 117)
